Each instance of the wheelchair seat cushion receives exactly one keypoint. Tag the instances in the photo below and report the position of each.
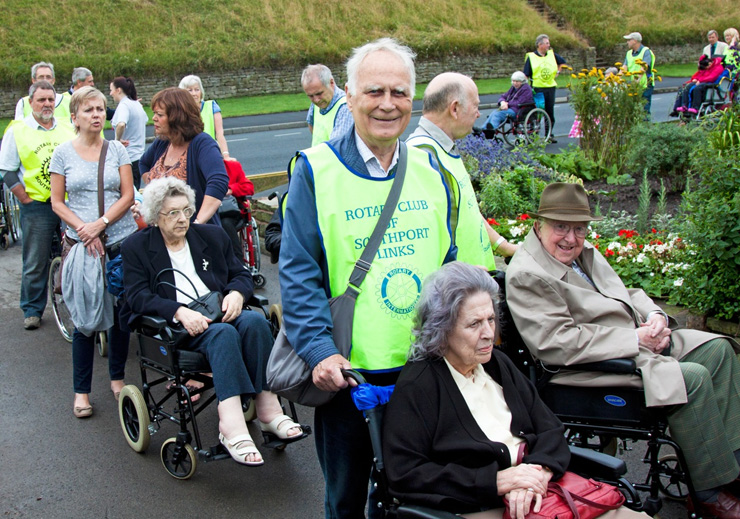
(192, 361)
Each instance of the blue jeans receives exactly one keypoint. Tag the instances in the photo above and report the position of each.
(238, 353)
(38, 223)
(345, 455)
(83, 355)
(648, 95)
(498, 117)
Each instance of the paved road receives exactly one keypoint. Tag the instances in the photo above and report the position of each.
(54, 466)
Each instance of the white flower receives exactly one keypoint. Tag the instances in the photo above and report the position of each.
(678, 282)
(615, 245)
(619, 258)
(517, 230)
(640, 258)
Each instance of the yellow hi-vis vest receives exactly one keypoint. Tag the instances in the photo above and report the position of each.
(35, 148)
(416, 243)
(61, 109)
(544, 69)
(209, 124)
(630, 62)
(323, 124)
(471, 237)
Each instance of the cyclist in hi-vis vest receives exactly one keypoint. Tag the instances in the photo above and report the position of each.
(332, 119)
(337, 190)
(24, 165)
(450, 109)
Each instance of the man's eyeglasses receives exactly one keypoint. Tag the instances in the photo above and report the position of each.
(175, 213)
(561, 229)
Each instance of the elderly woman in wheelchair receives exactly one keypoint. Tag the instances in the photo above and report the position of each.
(509, 103)
(464, 429)
(169, 264)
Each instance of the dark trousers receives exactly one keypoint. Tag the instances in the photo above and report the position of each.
(136, 174)
(83, 354)
(238, 353)
(345, 455)
(549, 94)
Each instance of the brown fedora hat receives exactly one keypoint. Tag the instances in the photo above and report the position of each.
(566, 202)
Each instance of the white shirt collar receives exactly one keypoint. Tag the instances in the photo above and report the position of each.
(33, 123)
(371, 161)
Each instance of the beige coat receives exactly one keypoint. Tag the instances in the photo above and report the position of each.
(565, 321)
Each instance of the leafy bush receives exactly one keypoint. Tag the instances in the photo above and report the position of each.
(712, 223)
(608, 108)
(483, 157)
(663, 150)
(511, 192)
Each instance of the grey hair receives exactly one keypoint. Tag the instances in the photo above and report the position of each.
(158, 191)
(712, 31)
(42, 64)
(80, 74)
(81, 95)
(191, 80)
(40, 85)
(405, 53)
(438, 101)
(317, 71)
(540, 39)
(443, 295)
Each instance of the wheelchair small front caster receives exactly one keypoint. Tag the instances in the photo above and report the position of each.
(259, 281)
(179, 460)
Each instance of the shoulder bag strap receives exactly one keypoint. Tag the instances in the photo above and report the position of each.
(101, 171)
(156, 284)
(362, 266)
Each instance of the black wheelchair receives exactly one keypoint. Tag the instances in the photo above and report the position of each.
(586, 462)
(599, 418)
(530, 124)
(141, 413)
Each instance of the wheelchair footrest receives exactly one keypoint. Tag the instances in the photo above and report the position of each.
(215, 453)
(271, 441)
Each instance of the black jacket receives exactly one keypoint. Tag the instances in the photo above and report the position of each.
(437, 455)
(144, 255)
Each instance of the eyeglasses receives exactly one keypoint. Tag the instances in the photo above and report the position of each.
(175, 213)
(561, 229)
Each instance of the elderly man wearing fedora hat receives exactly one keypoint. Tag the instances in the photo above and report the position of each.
(571, 308)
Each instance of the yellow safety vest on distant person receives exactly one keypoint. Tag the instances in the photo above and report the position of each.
(323, 124)
(35, 148)
(544, 69)
(630, 62)
(209, 123)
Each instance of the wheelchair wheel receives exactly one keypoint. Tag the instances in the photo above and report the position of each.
(180, 462)
(59, 309)
(13, 211)
(276, 318)
(509, 133)
(672, 478)
(4, 241)
(537, 125)
(101, 341)
(256, 245)
(259, 281)
(134, 416)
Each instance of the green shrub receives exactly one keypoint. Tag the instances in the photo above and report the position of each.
(664, 151)
(712, 223)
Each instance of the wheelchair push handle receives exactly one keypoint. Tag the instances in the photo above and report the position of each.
(354, 375)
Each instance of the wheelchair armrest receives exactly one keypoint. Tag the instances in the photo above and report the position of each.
(422, 512)
(619, 366)
(258, 300)
(591, 463)
(153, 323)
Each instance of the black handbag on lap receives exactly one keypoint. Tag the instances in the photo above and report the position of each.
(208, 304)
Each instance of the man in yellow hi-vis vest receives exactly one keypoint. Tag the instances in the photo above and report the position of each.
(450, 108)
(328, 116)
(542, 67)
(337, 191)
(637, 51)
(43, 71)
(24, 165)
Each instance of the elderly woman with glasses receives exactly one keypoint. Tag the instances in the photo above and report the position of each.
(571, 307)
(237, 348)
(464, 428)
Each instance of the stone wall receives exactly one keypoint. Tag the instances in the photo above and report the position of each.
(249, 81)
(663, 54)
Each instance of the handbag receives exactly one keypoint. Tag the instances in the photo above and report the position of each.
(209, 305)
(229, 207)
(573, 497)
(288, 375)
(67, 242)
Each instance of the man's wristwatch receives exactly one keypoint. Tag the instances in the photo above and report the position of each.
(105, 220)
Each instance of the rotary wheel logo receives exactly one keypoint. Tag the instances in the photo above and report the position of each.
(398, 291)
(547, 73)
